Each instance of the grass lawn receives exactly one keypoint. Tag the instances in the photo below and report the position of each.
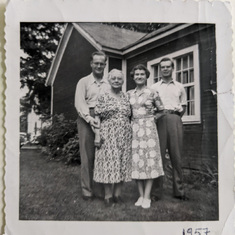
(50, 190)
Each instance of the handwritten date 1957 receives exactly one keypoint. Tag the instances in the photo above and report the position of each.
(197, 231)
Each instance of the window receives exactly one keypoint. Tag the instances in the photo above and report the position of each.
(186, 72)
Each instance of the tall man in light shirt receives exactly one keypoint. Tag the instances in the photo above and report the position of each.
(87, 90)
(170, 127)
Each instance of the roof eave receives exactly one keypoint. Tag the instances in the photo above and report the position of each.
(58, 55)
(87, 36)
(141, 43)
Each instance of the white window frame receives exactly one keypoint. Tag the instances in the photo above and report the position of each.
(192, 49)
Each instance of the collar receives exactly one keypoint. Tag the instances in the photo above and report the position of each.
(93, 80)
(135, 91)
(172, 81)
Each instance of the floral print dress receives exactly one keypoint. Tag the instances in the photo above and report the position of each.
(113, 158)
(146, 155)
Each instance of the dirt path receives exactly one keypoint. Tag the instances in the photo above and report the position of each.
(50, 190)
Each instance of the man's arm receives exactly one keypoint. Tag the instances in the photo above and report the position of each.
(183, 111)
(80, 102)
(183, 101)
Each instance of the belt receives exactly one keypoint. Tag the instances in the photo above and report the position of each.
(142, 117)
(171, 112)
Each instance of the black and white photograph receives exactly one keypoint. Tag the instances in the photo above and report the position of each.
(119, 120)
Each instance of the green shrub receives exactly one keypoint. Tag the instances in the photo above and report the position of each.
(71, 152)
(59, 138)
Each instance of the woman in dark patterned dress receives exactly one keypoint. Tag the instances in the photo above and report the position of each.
(113, 139)
(146, 155)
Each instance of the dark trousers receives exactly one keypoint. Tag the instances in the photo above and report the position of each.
(170, 131)
(87, 153)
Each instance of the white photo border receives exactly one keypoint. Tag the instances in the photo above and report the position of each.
(215, 12)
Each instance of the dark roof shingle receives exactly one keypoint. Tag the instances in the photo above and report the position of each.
(111, 36)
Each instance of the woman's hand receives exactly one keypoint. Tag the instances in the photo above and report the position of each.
(148, 104)
(94, 123)
(97, 141)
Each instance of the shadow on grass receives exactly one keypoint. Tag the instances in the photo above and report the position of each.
(51, 191)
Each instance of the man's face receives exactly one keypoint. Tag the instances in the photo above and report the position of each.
(98, 64)
(166, 68)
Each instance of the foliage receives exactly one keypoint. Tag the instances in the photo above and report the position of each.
(208, 175)
(38, 44)
(71, 152)
(139, 27)
(23, 123)
(59, 138)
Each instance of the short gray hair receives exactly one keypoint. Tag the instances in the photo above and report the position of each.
(113, 71)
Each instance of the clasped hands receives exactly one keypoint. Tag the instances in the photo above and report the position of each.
(94, 123)
(95, 126)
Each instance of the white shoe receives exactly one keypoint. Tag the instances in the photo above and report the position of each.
(146, 203)
(139, 201)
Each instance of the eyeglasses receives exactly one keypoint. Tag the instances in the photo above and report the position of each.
(99, 64)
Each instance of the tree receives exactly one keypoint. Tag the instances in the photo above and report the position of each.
(38, 43)
(139, 27)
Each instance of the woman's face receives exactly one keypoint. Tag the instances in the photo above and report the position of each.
(140, 77)
(116, 80)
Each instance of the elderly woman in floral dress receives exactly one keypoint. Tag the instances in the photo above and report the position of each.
(113, 139)
(146, 156)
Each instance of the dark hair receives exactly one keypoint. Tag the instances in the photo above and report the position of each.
(99, 53)
(140, 67)
(167, 59)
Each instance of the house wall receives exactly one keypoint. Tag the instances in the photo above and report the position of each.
(115, 63)
(74, 65)
(200, 140)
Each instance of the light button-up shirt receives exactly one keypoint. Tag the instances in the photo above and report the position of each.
(87, 91)
(172, 94)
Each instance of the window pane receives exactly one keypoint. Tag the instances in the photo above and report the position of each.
(191, 93)
(185, 77)
(191, 60)
(185, 62)
(156, 71)
(178, 64)
(191, 75)
(186, 111)
(191, 108)
(178, 77)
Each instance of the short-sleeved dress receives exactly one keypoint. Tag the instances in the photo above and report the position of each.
(113, 158)
(146, 155)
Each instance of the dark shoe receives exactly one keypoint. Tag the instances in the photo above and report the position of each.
(182, 198)
(108, 202)
(118, 200)
(155, 198)
(87, 198)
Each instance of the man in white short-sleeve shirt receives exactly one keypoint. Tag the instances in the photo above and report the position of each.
(170, 127)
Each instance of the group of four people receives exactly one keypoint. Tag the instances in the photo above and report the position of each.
(118, 136)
